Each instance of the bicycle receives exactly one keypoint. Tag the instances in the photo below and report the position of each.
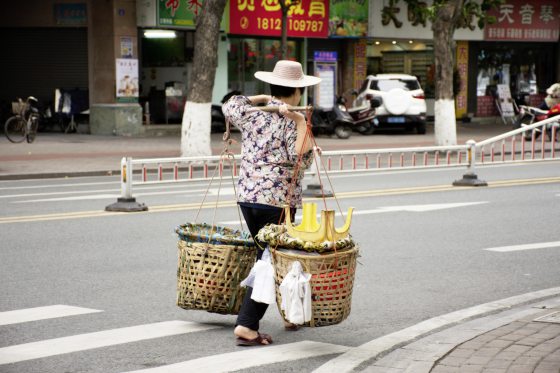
(23, 125)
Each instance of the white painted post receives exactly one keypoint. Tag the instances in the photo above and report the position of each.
(126, 202)
(470, 178)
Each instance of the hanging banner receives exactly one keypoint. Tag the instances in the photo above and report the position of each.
(521, 20)
(348, 18)
(308, 19)
(462, 59)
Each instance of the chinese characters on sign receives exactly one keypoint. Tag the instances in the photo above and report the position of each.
(522, 20)
(264, 18)
(360, 63)
(463, 69)
(178, 12)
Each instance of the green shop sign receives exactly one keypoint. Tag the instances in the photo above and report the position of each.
(348, 18)
(180, 13)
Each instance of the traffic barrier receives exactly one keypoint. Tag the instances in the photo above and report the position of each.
(519, 145)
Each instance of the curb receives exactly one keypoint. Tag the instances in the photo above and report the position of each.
(367, 353)
(59, 175)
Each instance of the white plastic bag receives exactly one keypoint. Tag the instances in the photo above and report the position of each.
(296, 295)
(261, 279)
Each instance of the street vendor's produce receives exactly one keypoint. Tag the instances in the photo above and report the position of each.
(326, 254)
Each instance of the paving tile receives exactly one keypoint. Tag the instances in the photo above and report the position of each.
(495, 370)
(517, 349)
(461, 352)
(488, 351)
(520, 368)
(499, 363)
(453, 361)
(499, 343)
(445, 369)
(478, 360)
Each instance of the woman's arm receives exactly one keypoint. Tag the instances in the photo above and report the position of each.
(259, 99)
(303, 145)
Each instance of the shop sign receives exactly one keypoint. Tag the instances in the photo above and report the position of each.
(348, 18)
(127, 79)
(178, 13)
(325, 56)
(264, 18)
(360, 63)
(70, 14)
(521, 20)
(462, 58)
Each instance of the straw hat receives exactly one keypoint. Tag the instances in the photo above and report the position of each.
(288, 74)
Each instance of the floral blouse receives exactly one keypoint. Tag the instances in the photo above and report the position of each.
(268, 155)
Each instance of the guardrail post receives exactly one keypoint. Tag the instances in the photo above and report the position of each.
(470, 178)
(314, 188)
(126, 203)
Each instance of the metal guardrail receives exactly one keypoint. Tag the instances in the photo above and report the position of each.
(520, 145)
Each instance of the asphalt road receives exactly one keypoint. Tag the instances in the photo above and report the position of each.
(424, 252)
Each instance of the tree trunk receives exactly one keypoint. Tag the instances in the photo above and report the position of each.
(195, 130)
(444, 46)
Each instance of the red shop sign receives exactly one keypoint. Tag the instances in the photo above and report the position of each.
(522, 20)
(309, 19)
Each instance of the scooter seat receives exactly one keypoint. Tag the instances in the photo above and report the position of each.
(358, 108)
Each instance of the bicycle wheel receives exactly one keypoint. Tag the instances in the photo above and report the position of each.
(15, 129)
(34, 125)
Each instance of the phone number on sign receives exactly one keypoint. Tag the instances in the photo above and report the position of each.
(293, 24)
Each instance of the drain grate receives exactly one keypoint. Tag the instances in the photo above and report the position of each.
(553, 317)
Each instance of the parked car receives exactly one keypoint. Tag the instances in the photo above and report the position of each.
(403, 100)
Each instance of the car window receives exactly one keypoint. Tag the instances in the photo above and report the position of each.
(364, 86)
(388, 84)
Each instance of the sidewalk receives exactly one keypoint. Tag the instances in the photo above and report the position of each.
(60, 155)
(522, 339)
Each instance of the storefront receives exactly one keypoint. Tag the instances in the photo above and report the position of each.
(45, 48)
(338, 26)
(521, 50)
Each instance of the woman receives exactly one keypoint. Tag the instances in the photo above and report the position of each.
(272, 146)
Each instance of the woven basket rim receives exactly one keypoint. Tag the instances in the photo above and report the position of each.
(331, 254)
(234, 237)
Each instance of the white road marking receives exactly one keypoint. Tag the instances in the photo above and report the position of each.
(211, 192)
(531, 246)
(42, 313)
(410, 208)
(81, 342)
(248, 358)
(351, 359)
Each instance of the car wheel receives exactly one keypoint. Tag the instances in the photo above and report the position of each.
(343, 132)
(421, 128)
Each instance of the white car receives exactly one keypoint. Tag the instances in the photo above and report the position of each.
(403, 105)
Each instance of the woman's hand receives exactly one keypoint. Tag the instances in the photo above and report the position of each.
(296, 116)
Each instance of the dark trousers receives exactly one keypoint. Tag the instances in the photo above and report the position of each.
(252, 312)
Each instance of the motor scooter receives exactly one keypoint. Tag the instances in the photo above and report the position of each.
(530, 114)
(332, 120)
(363, 116)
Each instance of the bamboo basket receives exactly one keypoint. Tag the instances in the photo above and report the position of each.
(212, 262)
(332, 280)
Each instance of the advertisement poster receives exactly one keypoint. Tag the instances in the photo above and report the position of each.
(127, 79)
(348, 18)
(126, 47)
(463, 69)
(521, 20)
(308, 19)
(325, 91)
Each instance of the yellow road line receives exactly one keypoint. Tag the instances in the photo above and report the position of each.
(224, 204)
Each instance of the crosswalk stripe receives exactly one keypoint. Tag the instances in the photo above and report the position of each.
(42, 313)
(532, 246)
(81, 342)
(247, 358)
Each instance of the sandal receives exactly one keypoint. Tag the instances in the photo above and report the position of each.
(259, 340)
(291, 327)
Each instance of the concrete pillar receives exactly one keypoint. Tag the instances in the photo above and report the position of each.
(110, 23)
